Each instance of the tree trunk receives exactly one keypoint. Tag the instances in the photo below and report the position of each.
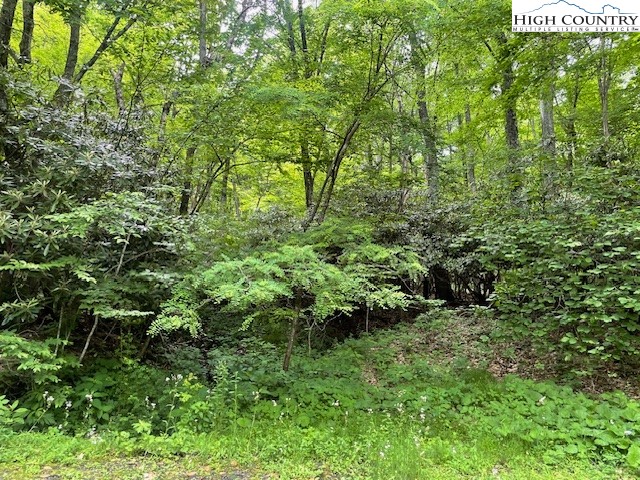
(109, 39)
(236, 197)
(307, 174)
(293, 332)
(512, 135)
(304, 143)
(185, 196)
(547, 122)
(442, 284)
(320, 208)
(27, 30)
(548, 143)
(572, 133)
(10, 145)
(604, 83)
(202, 50)
(65, 88)
(285, 9)
(74, 45)
(224, 185)
(6, 25)
(470, 153)
(427, 126)
(117, 86)
(162, 131)
(405, 173)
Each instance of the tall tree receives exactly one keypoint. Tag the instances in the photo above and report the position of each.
(427, 123)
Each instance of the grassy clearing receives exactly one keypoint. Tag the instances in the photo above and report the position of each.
(380, 450)
(401, 404)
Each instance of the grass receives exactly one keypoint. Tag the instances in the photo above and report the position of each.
(372, 448)
(381, 407)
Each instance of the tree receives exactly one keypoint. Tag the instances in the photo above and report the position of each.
(292, 284)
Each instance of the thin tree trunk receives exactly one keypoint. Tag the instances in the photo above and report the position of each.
(405, 170)
(185, 196)
(320, 208)
(293, 332)
(202, 50)
(108, 40)
(427, 126)
(10, 145)
(304, 143)
(162, 130)
(86, 345)
(285, 10)
(547, 122)
(307, 174)
(117, 86)
(224, 184)
(548, 143)
(74, 45)
(604, 83)
(569, 124)
(470, 153)
(6, 24)
(572, 133)
(405, 187)
(65, 88)
(69, 77)
(303, 41)
(512, 135)
(236, 197)
(27, 30)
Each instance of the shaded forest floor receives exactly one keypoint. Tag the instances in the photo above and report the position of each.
(468, 336)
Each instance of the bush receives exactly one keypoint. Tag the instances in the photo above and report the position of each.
(571, 283)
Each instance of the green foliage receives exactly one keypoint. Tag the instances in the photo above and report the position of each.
(110, 395)
(11, 415)
(30, 361)
(378, 383)
(571, 283)
(77, 243)
(384, 121)
(291, 282)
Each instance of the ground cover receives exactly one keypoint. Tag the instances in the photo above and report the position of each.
(413, 402)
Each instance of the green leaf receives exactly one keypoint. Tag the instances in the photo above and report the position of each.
(633, 456)
(303, 420)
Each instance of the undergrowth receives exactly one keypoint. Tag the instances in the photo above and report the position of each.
(375, 407)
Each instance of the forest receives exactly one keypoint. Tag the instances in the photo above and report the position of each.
(330, 239)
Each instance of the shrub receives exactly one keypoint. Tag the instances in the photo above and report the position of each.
(571, 283)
